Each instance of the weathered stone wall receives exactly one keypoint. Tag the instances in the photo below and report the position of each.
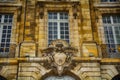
(29, 36)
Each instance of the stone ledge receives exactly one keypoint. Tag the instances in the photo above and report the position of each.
(77, 59)
(10, 5)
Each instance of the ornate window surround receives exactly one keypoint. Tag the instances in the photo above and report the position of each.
(46, 7)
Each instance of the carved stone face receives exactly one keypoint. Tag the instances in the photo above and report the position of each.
(60, 58)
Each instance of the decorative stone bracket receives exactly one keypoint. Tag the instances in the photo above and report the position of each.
(41, 13)
(75, 7)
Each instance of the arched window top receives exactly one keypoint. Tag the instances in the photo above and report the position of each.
(67, 75)
(117, 77)
(60, 78)
(2, 78)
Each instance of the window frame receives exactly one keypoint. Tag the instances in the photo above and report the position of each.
(5, 45)
(109, 23)
(58, 21)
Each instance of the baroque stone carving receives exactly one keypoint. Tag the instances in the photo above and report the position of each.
(60, 56)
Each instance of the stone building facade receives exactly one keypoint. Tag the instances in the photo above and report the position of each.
(32, 31)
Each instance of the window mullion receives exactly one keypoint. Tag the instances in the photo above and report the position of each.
(1, 29)
(115, 40)
(111, 18)
(58, 29)
(2, 21)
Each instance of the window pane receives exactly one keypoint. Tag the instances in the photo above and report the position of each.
(10, 16)
(6, 49)
(50, 15)
(4, 27)
(2, 44)
(55, 15)
(106, 19)
(8, 40)
(66, 32)
(9, 31)
(4, 35)
(10, 20)
(6, 16)
(1, 49)
(4, 31)
(8, 45)
(62, 32)
(50, 32)
(3, 40)
(113, 0)
(55, 36)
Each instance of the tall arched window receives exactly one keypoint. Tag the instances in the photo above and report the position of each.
(60, 78)
(67, 75)
(117, 77)
(2, 78)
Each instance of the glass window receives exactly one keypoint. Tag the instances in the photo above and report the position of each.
(60, 78)
(112, 31)
(5, 32)
(58, 26)
(7, 0)
(109, 0)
